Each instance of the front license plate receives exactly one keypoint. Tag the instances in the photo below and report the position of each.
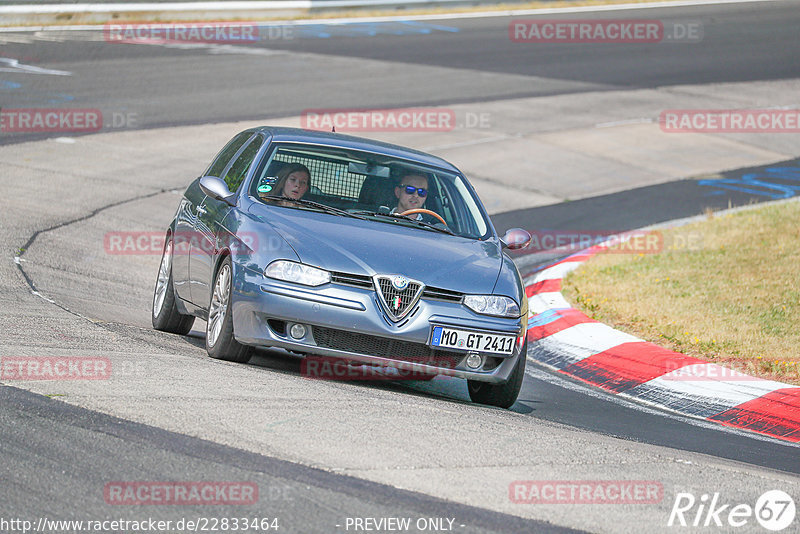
(452, 338)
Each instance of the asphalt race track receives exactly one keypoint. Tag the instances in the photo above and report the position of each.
(323, 452)
(474, 61)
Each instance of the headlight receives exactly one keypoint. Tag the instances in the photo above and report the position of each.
(291, 271)
(492, 305)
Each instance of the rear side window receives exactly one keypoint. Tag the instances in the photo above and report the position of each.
(237, 172)
(227, 153)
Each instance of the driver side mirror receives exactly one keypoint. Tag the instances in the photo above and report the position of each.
(515, 238)
(217, 189)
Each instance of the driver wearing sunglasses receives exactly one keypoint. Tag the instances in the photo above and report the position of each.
(411, 194)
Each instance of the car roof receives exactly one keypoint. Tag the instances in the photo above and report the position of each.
(333, 139)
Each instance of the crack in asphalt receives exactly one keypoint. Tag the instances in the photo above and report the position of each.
(18, 260)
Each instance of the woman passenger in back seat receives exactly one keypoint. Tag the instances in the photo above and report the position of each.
(294, 181)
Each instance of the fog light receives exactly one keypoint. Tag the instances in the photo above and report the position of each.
(474, 360)
(297, 331)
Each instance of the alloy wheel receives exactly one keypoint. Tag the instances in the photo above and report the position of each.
(219, 305)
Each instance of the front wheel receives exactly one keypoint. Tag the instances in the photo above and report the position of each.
(501, 395)
(220, 343)
(164, 312)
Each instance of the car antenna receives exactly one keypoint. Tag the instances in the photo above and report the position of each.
(333, 129)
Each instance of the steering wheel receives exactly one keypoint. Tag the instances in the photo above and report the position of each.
(423, 210)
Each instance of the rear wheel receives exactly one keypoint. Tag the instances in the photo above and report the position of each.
(501, 395)
(165, 313)
(220, 343)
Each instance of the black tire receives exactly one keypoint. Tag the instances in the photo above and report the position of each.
(164, 310)
(501, 395)
(221, 344)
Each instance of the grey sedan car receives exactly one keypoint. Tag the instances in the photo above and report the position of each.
(339, 247)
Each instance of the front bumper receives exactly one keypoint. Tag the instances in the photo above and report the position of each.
(348, 322)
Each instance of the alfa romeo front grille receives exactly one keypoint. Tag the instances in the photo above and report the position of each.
(442, 294)
(348, 279)
(365, 282)
(383, 347)
(397, 294)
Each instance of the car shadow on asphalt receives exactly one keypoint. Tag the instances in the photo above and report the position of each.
(443, 388)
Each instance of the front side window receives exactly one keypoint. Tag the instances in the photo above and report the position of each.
(372, 186)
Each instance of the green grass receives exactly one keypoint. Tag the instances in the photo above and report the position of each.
(732, 297)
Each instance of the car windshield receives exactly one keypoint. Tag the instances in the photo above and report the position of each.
(371, 186)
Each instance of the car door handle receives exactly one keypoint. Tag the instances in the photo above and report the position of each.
(201, 210)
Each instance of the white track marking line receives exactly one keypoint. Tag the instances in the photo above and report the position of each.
(556, 272)
(586, 339)
(541, 302)
(13, 65)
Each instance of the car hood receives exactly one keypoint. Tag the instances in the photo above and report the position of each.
(371, 247)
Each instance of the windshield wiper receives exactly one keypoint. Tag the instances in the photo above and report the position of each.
(318, 205)
(397, 216)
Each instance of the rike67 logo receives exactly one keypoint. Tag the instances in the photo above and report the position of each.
(774, 510)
